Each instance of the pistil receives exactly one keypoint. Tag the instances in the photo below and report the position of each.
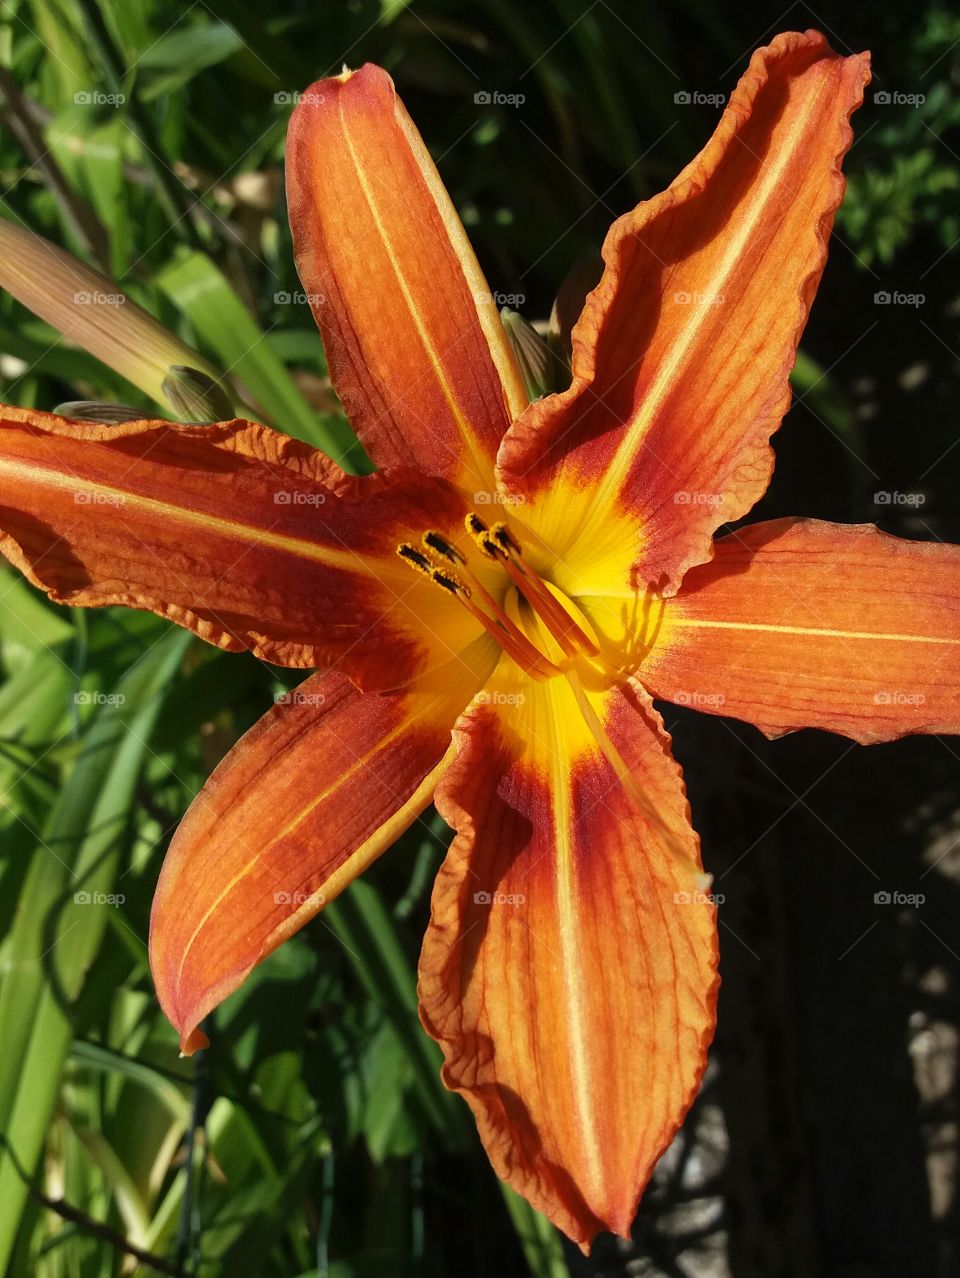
(500, 544)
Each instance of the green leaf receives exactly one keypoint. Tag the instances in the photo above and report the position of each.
(362, 923)
(60, 918)
(182, 54)
(538, 1238)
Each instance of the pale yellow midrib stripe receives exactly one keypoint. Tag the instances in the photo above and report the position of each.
(358, 765)
(694, 623)
(333, 558)
(573, 975)
(482, 464)
(488, 317)
(654, 397)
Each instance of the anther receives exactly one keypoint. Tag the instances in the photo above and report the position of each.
(414, 557)
(433, 541)
(490, 548)
(502, 535)
(449, 582)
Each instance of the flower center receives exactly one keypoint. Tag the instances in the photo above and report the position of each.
(450, 569)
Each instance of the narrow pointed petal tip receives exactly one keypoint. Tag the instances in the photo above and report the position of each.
(569, 971)
(682, 355)
(413, 339)
(194, 1041)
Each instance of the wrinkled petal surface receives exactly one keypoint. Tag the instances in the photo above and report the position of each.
(314, 792)
(803, 623)
(413, 338)
(682, 354)
(246, 537)
(568, 972)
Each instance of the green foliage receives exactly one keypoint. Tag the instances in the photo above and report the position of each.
(904, 174)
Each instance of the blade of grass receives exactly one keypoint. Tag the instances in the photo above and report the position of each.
(361, 921)
(538, 1238)
(54, 935)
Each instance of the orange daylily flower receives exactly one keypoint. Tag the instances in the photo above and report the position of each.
(527, 576)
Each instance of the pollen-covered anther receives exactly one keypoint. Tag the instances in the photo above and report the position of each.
(488, 546)
(435, 542)
(495, 621)
(505, 539)
(415, 558)
(449, 581)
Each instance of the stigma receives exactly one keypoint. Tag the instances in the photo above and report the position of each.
(449, 569)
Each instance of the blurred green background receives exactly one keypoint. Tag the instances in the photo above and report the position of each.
(314, 1137)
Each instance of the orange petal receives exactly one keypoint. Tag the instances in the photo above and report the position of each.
(569, 971)
(802, 623)
(303, 804)
(412, 335)
(682, 354)
(246, 537)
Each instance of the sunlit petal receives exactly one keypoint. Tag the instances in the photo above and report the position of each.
(569, 968)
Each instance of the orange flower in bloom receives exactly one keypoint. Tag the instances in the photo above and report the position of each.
(527, 576)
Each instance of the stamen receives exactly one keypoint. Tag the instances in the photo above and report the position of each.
(433, 541)
(480, 533)
(414, 557)
(510, 638)
(558, 621)
(499, 542)
(513, 642)
(449, 582)
(502, 535)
